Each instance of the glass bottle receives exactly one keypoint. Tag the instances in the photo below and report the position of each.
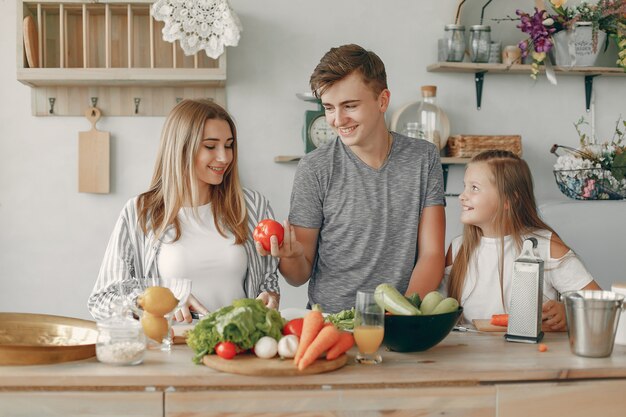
(428, 116)
(480, 43)
(455, 42)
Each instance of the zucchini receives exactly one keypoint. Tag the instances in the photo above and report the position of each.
(430, 301)
(394, 302)
(447, 305)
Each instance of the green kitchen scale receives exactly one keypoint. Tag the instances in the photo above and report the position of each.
(315, 131)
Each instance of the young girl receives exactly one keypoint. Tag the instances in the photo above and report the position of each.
(194, 222)
(499, 212)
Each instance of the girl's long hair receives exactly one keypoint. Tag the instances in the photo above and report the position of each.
(174, 181)
(516, 214)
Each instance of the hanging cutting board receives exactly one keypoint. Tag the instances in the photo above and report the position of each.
(484, 325)
(31, 43)
(248, 364)
(93, 157)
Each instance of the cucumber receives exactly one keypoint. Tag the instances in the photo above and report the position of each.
(394, 302)
(430, 301)
(446, 306)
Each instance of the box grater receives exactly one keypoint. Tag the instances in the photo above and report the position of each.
(526, 296)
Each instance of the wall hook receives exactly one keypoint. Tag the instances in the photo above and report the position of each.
(137, 101)
(51, 100)
(94, 101)
(178, 99)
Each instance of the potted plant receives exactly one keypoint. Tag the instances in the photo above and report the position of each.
(576, 34)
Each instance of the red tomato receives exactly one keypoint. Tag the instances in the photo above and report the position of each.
(266, 229)
(293, 327)
(226, 350)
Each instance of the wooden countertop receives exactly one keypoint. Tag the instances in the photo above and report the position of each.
(461, 360)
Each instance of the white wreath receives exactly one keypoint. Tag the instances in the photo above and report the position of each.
(199, 24)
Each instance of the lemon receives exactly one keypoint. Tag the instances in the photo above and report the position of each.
(157, 300)
(154, 327)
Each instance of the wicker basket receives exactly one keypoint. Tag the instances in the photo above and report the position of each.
(467, 146)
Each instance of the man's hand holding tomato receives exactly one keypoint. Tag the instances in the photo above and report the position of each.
(288, 248)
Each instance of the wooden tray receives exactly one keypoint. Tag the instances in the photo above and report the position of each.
(484, 325)
(248, 364)
(33, 339)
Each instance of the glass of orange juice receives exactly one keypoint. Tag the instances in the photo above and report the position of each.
(369, 328)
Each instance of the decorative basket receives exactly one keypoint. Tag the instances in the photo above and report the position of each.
(598, 183)
(588, 184)
(467, 146)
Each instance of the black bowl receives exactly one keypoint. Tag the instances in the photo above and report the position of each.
(418, 333)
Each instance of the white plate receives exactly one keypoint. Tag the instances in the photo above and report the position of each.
(408, 112)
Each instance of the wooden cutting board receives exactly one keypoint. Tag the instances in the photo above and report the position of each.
(248, 364)
(31, 42)
(93, 157)
(484, 325)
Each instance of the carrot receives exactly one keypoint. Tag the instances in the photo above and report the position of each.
(313, 323)
(543, 347)
(345, 342)
(500, 320)
(325, 339)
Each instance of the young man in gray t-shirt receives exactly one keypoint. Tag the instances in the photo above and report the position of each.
(368, 207)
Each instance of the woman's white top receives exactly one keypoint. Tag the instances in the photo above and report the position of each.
(215, 265)
(481, 296)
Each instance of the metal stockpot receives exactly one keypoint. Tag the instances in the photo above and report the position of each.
(592, 318)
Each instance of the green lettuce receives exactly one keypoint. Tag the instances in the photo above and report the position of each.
(243, 323)
(344, 320)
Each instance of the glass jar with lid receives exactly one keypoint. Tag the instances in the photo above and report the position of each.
(121, 341)
(455, 42)
(480, 43)
(412, 130)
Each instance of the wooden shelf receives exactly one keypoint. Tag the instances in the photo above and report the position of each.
(287, 158)
(479, 71)
(157, 77)
(445, 160)
(111, 52)
(468, 67)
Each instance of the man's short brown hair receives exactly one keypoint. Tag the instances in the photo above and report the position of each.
(342, 61)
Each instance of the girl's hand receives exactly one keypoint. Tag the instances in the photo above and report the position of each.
(184, 313)
(290, 248)
(553, 316)
(270, 299)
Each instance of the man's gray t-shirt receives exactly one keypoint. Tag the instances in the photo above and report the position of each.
(367, 218)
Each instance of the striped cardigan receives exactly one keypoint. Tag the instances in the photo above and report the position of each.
(131, 253)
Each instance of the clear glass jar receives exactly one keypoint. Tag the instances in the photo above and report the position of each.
(428, 117)
(121, 341)
(480, 43)
(412, 130)
(455, 42)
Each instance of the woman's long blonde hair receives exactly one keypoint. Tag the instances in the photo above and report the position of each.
(516, 214)
(174, 182)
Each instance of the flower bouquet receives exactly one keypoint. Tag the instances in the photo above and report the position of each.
(545, 26)
(594, 171)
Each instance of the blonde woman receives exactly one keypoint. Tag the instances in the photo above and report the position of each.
(499, 212)
(195, 221)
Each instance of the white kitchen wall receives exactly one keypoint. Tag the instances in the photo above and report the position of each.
(52, 238)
